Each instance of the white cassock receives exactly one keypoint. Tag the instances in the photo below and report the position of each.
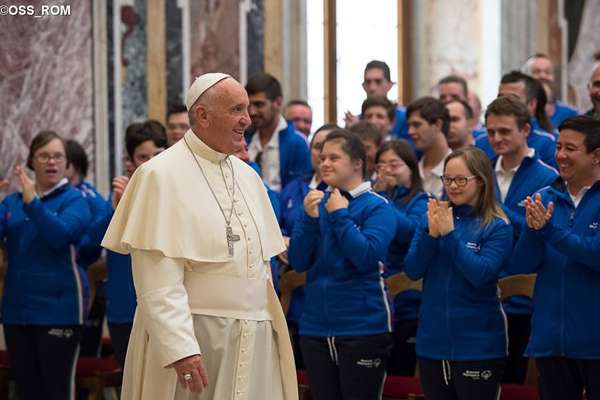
(193, 296)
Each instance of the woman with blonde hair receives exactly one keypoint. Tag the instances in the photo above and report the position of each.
(459, 251)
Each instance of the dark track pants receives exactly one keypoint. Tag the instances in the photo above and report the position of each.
(346, 368)
(43, 360)
(461, 380)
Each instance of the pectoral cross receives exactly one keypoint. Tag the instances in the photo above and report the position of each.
(230, 239)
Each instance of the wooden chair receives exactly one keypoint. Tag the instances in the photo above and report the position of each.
(95, 374)
(520, 285)
(402, 387)
(288, 282)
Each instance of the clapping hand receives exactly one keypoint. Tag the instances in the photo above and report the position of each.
(27, 185)
(336, 201)
(439, 218)
(384, 182)
(350, 119)
(311, 203)
(119, 184)
(536, 214)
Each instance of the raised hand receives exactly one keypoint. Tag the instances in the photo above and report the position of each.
(432, 218)
(191, 373)
(119, 184)
(536, 214)
(350, 119)
(336, 201)
(311, 202)
(445, 218)
(26, 183)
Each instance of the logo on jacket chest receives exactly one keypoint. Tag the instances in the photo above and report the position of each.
(593, 226)
(473, 246)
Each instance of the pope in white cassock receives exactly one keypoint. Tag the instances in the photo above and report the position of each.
(200, 230)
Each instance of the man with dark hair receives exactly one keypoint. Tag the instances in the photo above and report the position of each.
(527, 90)
(177, 122)
(371, 138)
(540, 67)
(561, 244)
(594, 91)
(428, 122)
(380, 112)
(300, 114)
(143, 141)
(273, 143)
(519, 173)
(453, 87)
(377, 83)
(460, 130)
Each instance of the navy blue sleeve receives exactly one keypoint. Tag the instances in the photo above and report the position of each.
(580, 248)
(89, 247)
(528, 253)
(62, 229)
(367, 246)
(423, 248)
(304, 243)
(483, 266)
(516, 219)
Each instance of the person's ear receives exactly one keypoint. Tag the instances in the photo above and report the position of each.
(201, 115)
(596, 154)
(278, 102)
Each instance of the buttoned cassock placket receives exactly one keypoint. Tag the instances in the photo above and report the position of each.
(246, 252)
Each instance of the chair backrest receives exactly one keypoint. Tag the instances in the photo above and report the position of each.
(288, 282)
(521, 285)
(96, 272)
(517, 285)
(400, 282)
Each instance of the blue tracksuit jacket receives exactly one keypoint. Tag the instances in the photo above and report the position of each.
(344, 252)
(44, 285)
(461, 316)
(565, 254)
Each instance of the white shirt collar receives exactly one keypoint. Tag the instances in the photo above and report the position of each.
(357, 191)
(60, 184)
(274, 141)
(577, 198)
(499, 169)
(438, 170)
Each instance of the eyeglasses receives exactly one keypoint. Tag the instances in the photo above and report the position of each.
(45, 158)
(390, 164)
(459, 180)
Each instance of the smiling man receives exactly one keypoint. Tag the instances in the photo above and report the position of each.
(201, 230)
(273, 143)
(519, 173)
(561, 243)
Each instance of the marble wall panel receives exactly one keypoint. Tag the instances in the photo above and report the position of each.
(46, 81)
(215, 37)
